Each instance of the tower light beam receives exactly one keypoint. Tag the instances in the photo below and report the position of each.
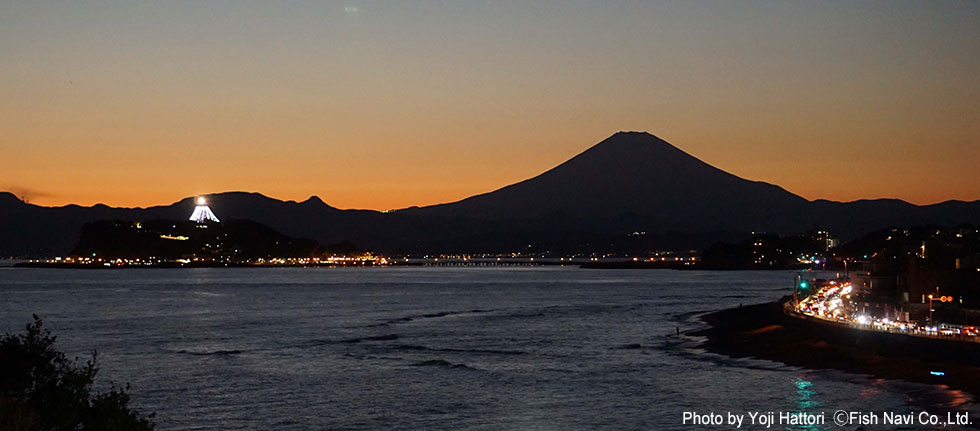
(202, 213)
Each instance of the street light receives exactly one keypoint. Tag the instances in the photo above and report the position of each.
(930, 308)
(799, 286)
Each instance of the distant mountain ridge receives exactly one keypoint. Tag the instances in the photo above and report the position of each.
(630, 183)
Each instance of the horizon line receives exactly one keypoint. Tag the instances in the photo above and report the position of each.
(192, 197)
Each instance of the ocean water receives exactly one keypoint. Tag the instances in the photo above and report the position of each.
(519, 348)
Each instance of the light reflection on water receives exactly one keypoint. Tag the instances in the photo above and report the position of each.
(429, 348)
(807, 402)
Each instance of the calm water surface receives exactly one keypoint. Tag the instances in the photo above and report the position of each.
(429, 348)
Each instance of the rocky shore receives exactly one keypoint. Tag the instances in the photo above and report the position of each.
(763, 331)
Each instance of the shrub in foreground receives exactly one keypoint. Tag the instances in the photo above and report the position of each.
(41, 389)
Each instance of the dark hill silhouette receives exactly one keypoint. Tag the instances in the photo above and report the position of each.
(31, 230)
(629, 183)
(237, 239)
(644, 178)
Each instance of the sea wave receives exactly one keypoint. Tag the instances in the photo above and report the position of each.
(444, 364)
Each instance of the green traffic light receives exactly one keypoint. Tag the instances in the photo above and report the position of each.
(803, 285)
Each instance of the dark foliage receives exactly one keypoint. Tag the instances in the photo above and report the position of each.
(41, 389)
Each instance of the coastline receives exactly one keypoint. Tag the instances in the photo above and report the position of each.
(763, 331)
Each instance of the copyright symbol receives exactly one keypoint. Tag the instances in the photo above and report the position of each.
(840, 418)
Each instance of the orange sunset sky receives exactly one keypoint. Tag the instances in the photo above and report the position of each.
(385, 105)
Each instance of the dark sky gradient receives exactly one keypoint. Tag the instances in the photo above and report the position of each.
(389, 104)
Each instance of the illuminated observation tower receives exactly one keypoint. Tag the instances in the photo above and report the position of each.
(203, 214)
